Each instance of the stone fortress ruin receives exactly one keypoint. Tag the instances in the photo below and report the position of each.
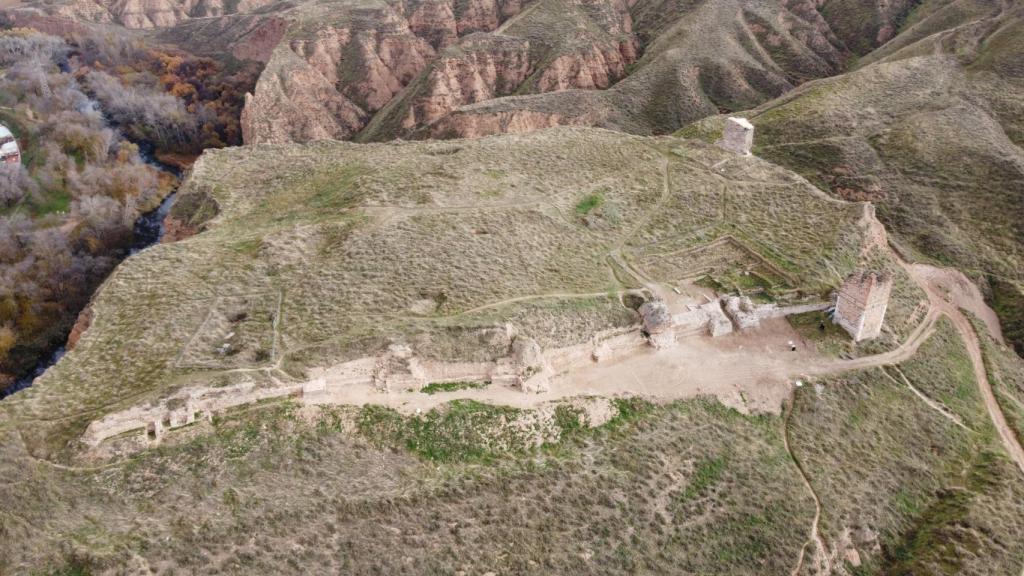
(520, 363)
(714, 318)
(737, 136)
(523, 366)
(9, 151)
(861, 303)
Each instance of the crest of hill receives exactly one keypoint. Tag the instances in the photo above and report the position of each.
(325, 252)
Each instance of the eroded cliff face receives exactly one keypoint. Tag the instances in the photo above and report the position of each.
(485, 68)
(413, 68)
(595, 68)
(382, 69)
(294, 102)
(372, 56)
(145, 14)
(408, 65)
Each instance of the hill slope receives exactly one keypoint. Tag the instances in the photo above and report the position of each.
(312, 257)
(930, 129)
(376, 70)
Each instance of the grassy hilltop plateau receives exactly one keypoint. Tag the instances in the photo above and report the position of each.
(477, 287)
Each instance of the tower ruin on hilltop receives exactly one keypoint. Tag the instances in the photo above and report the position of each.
(737, 136)
(861, 303)
(9, 151)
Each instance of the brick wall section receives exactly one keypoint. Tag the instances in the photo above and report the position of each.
(861, 303)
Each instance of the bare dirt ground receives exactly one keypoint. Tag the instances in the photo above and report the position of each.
(955, 288)
(752, 371)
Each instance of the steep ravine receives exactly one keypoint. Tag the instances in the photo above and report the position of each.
(148, 230)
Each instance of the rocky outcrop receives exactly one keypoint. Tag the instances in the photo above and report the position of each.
(434, 21)
(367, 65)
(327, 85)
(294, 102)
(409, 68)
(485, 15)
(484, 67)
(415, 68)
(260, 39)
(656, 322)
(81, 325)
(176, 229)
(414, 63)
(596, 67)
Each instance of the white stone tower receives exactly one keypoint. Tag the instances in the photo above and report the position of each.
(738, 135)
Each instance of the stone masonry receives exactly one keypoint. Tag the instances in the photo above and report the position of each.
(861, 303)
(738, 136)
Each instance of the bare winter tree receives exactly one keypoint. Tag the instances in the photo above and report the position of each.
(15, 184)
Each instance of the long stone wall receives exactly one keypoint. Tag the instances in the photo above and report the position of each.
(525, 367)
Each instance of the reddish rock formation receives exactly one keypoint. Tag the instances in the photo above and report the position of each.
(383, 62)
(294, 102)
(341, 74)
(81, 325)
(434, 21)
(260, 39)
(485, 67)
(485, 15)
(175, 230)
(597, 67)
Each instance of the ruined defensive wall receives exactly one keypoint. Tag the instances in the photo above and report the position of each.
(736, 243)
(724, 315)
(525, 367)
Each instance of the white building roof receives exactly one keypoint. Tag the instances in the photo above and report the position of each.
(10, 147)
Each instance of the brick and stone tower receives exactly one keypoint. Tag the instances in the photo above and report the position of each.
(738, 136)
(861, 303)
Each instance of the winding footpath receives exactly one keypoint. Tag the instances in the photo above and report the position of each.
(813, 536)
(923, 275)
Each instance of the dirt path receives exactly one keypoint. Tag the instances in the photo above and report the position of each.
(947, 298)
(813, 536)
(1010, 441)
(934, 405)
